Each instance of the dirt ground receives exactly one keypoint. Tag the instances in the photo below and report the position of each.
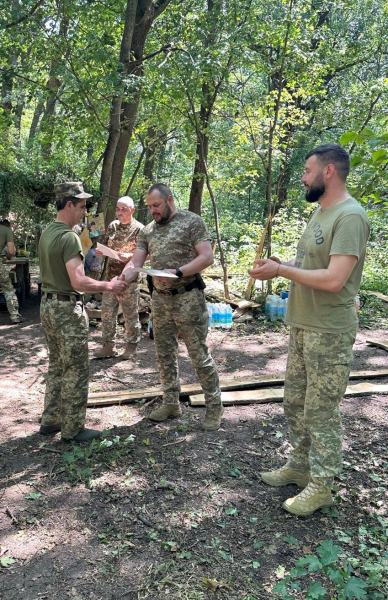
(168, 510)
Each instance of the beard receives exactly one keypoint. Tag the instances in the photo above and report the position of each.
(316, 189)
(166, 216)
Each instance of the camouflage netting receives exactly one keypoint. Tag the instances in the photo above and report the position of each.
(18, 190)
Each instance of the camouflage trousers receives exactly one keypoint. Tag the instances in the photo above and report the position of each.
(130, 306)
(317, 374)
(66, 328)
(185, 314)
(7, 289)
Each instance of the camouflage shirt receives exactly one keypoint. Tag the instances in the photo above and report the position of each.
(121, 238)
(173, 245)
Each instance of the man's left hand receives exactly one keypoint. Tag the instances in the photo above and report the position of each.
(266, 269)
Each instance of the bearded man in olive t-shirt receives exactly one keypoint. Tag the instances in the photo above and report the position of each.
(325, 277)
(177, 241)
(64, 317)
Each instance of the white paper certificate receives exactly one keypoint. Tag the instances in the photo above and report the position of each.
(108, 252)
(155, 272)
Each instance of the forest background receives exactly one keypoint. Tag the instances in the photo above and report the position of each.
(219, 100)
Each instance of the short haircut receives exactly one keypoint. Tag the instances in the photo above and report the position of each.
(332, 154)
(61, 202)
(127, 201)
(162, 188)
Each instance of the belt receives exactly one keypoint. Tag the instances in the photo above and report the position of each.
(182, 290)
(63, 297)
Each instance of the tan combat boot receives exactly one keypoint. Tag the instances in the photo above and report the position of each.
(285, 476)
(314, 496)
(213, 416)
(108, 350)
(165, 411)
(129, 352)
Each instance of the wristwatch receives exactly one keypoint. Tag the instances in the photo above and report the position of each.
(178, 273)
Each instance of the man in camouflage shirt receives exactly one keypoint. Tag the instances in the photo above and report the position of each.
(64, 318)
(6, 239)
(178, 241)
(121, 236)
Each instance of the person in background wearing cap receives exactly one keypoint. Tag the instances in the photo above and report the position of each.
(121, 236)
(64, 317)
(6, 287)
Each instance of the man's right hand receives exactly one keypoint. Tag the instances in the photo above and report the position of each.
(98, 253)
(118, 286)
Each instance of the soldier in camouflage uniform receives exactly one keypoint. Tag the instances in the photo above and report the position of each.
(6, 287)
(177, 241)
(121, 236)
(64, 318)
(325, 277)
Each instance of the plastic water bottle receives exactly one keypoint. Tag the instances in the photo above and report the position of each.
(216, 315)
(283, 309)
(269, 301)
(229, 316)
(273, 308)
(210, 314)
(223, 317)
(279, 308)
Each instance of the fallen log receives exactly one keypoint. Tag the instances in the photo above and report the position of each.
(126, 396)
(276, 395)
(379, 343)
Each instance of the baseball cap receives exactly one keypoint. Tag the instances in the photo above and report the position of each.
(70, 189)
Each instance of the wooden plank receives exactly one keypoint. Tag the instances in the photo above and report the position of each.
(276, 395)
(127, 396)
(379, 343)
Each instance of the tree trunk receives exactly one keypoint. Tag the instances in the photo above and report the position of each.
(202, 151)
(140, 15)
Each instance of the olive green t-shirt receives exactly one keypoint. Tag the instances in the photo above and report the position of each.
(342, 229)
(173, 245)
(58, 244)
(5, 236)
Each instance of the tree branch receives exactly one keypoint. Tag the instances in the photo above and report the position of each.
(27, 16)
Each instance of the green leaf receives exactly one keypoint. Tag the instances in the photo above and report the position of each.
(328, 552)
(232, 511)
(33, 496)
(234, 473)
(378, 155)
(315, 591)
(355, 588)
(224, 555)
(347, 137)
(311, 561)
(290, 540)
(5, 561)
(335, 575)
